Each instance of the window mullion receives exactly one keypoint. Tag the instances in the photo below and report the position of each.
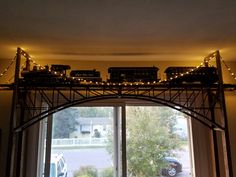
(123, 139)
(48, 146)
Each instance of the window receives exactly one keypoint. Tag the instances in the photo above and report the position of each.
(153, 140)
(85, 128)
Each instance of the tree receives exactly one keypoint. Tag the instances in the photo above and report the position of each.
(65, 122)
(150, 138)
(95, 111)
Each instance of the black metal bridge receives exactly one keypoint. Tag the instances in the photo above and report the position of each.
(204, 103)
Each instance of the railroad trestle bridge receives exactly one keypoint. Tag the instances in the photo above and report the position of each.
(204, 103)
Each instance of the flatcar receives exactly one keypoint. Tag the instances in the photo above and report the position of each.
(203, 75)
(86, 75)
(133, 74)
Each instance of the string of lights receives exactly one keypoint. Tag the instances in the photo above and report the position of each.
(185, 73)
(23, 53)
(229, 69)
(7, 68)
(12, 77)
(206, 62)
(27, 56)
(178, 75)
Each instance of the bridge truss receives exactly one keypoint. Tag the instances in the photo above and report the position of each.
(204, 103)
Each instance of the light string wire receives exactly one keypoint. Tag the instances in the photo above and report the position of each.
(7, 68)
(24, 54)
(229, 69)
(27, 56)
(206, 61)
(178, 75)
(12, 77)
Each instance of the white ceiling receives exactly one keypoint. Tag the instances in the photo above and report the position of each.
(118, 29)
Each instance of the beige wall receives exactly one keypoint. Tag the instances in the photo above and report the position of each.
(5, 111)
(231, 113)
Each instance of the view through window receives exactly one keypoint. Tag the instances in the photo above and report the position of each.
(157, 142)
(86, 142)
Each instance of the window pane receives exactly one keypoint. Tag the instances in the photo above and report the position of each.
(83, 136)
(157, 142)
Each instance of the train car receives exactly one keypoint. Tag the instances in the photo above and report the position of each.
(133, 74)
(86, 75)
(59, 69)
(203, 75)
(44, 75)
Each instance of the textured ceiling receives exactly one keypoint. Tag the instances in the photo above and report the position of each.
(118, 29)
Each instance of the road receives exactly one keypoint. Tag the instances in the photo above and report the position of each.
(99, 158)
(76, 158)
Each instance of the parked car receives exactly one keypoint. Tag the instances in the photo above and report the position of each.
(58, 166)
(174, 167)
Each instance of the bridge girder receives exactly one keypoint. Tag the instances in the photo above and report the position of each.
(191, 99)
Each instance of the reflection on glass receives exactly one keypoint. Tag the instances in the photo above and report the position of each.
(52, 170)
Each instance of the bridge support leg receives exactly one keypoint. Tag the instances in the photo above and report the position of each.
(214, 134)
(225, 136)
(13, 120)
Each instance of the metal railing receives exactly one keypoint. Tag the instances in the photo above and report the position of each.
(79, 142)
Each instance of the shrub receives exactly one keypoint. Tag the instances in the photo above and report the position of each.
(107, 172)
(86, 171)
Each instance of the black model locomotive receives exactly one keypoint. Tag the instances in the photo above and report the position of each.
(44, 75)
(133, 74)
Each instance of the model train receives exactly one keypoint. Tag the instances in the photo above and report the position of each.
(86, 75)
(174, 75)
(54, 74)
(133, 74)
(203, 75)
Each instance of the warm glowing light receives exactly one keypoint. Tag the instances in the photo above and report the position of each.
(228, 68)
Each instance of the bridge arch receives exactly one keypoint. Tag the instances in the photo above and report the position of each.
(203, 119)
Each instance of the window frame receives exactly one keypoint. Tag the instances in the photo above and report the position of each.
(119, 122)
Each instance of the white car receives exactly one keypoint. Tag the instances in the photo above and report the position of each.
(58, 166)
